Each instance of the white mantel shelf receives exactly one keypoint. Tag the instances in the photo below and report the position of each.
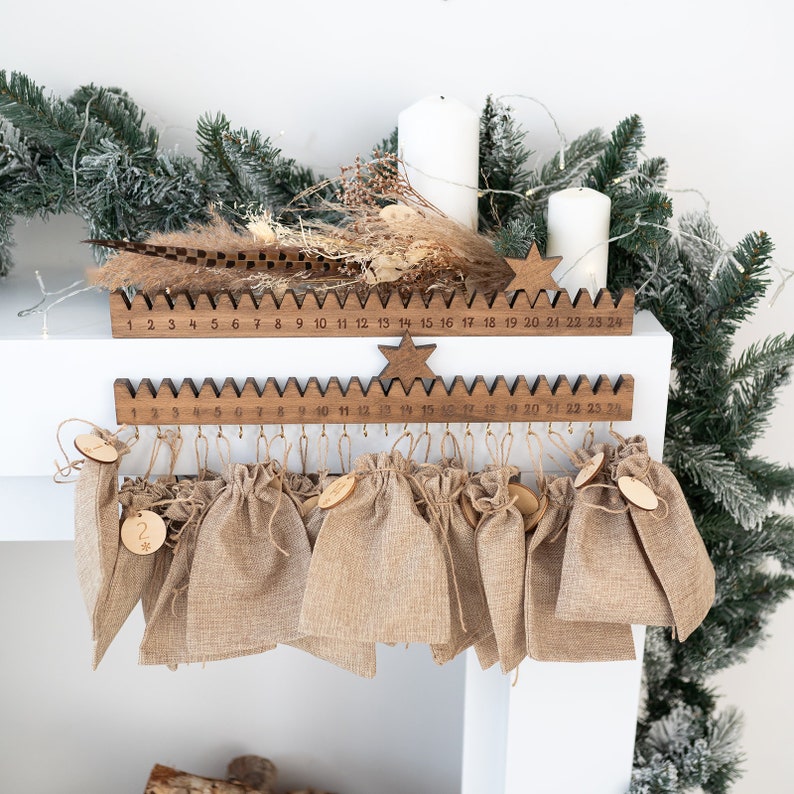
(567, 728)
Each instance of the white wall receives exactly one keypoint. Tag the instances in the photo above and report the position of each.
(711, 81)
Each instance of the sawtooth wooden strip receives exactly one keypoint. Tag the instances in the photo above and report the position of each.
(428, 400)
(314, 314)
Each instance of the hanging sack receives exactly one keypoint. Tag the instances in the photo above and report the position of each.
(132, 571)
(606, 576)
(671, 542)
(96, 536)
(249, 568)
(439, 491)
(356, 657)
(549, 638)
(165, 638)
(501, 554)
(377, 572)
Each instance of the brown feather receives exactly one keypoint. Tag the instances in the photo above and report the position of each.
(265, 258)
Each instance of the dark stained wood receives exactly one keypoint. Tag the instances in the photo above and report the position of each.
(313, 314)
(533, 273)
(407, 362)
(377, 401)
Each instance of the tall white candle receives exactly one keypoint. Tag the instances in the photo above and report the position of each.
(578, 230)
(438, 141)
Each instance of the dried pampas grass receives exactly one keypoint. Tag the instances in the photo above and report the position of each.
(383, 233)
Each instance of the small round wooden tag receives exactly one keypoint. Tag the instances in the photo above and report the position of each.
(469, 511)
(309, 504)
(143, 533)
(530, 522)
(638, 493)
(590, 470)
(526, 500)
(337, 491)
(96, 448)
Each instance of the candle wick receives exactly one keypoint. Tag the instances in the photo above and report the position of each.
(443, 97)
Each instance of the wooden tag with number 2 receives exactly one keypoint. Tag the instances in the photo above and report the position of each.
(143, 533)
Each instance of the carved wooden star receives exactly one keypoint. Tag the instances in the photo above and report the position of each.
(533, 274)
(407, 362)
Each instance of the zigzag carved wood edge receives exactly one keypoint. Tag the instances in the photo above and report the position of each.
(428, 400)
(314, 314)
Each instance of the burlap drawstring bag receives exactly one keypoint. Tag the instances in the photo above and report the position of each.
(165, 638)
(549, 638)
(249, 567)
(501, 554)
(378, 572)
(131, 572)
(670, 539)
(96, 538)
(440, 490)
(606, 576)
(356, 657)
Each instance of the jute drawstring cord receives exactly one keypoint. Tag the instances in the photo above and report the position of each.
(536, 459)
(201, 465)
(75, 465)
(424, 434)
(278, 483)
(175, 593)
(457, 454)
(344, 440)
(468, 448)
(499, 451)
(573, 455)
(303, 449)
(220, 436)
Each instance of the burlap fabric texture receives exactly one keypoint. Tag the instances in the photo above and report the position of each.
(249, 568)
(378, 572)
(97, 542)
(671, 542)
(439, 490)
(356, 657)
(605, 574)
(549, 638)
(501, 547)
(132, 573)
(165, 638)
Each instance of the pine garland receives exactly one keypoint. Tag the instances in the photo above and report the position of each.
(93, 155)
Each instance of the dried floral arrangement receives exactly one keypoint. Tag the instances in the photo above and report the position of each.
(373, 229)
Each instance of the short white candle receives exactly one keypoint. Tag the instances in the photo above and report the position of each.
(439, 142)
(578, 230)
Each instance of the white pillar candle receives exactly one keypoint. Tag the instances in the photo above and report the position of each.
(578, 230)
(439, 141)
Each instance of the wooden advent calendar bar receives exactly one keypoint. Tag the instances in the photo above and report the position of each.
(406, 390)
(312, 314)
(373, 402)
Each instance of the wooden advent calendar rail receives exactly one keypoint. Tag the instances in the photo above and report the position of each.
(313, 314)
(405, 390)
(377, 401)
